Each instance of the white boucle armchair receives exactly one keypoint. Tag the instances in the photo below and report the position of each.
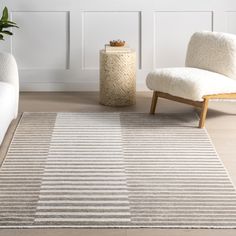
(210, 73)
(9, 92)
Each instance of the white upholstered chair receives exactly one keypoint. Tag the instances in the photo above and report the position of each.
(9, 92)
(210, 73)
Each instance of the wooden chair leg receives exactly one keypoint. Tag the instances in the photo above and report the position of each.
(154, 102)
(203, 113)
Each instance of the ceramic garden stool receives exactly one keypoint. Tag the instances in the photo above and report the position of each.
(117, 78)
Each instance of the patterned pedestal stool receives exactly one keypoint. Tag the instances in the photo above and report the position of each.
(117, 78)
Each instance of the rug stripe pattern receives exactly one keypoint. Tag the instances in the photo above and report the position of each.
(175, 178)
(92, 189)
(93, 170)
(22, 169)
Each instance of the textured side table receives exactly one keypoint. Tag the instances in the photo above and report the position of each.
(117, 78)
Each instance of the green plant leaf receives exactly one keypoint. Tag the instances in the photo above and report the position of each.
(6, 32)
(11, 22)
(5, 14)
(8, 23)
(8, 26)
(5, 24)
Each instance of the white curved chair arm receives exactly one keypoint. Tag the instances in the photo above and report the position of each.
(9, 73)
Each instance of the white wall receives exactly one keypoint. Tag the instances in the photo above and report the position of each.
(58, 41)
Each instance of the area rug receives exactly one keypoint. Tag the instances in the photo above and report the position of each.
(114, 170)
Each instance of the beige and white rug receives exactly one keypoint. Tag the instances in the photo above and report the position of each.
(93, 170)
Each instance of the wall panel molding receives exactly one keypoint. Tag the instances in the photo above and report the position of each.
(42, 42)
(57, 45)
(172, 31)
(101, 26)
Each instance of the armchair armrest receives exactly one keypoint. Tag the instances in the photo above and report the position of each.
(9, 73)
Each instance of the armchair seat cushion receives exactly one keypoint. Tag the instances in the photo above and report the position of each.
(189, 83)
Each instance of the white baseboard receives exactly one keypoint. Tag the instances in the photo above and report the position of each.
(67, 87)
(79, 87)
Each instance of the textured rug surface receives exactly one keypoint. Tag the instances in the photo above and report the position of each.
(94, 170)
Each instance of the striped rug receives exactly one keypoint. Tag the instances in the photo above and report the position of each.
(100, 170)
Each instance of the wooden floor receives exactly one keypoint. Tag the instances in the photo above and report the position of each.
(221, 126)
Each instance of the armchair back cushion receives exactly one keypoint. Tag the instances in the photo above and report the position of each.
(214, 52)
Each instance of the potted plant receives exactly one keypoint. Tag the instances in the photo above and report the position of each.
(5, 24)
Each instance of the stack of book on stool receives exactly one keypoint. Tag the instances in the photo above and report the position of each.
(109, 48)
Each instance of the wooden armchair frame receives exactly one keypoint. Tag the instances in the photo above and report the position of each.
(203, 105)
